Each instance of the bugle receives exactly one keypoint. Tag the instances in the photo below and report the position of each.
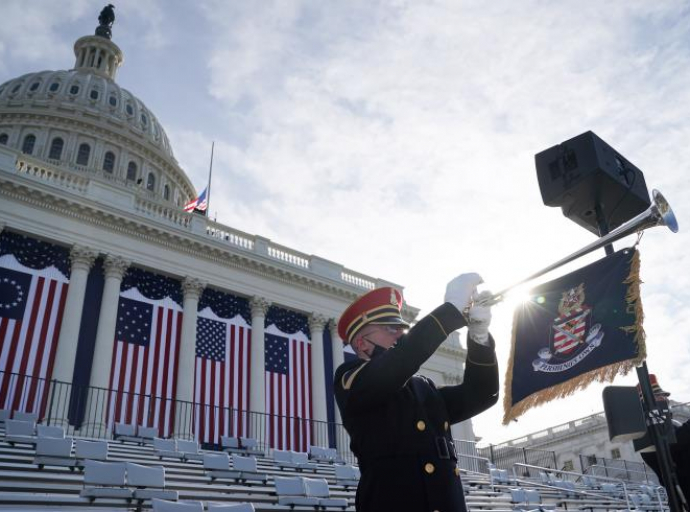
(658, 214)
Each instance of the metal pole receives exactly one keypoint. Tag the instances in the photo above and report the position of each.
(656, 433)
(659, 438)
(52, 396)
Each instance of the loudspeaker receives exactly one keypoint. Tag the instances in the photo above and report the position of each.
(624, 414)
(585, 171)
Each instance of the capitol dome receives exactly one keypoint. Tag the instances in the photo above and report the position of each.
(82, 120)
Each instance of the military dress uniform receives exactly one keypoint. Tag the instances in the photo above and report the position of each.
(399, 422)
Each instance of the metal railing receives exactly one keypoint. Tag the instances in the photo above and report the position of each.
(504, 457)
(618, 468)
(92, 412)
(574, 477)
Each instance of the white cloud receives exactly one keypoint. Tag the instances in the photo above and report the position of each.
(405, 149)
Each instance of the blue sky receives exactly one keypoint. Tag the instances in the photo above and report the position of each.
(398, 138)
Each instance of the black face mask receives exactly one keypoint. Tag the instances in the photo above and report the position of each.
(378, 349)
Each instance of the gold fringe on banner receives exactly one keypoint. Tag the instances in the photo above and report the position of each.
(604, 374)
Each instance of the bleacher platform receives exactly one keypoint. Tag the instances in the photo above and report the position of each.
(130, 474)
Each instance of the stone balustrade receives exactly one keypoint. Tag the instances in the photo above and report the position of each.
(77, 179)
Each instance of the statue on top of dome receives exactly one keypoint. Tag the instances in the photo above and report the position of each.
(105, 20)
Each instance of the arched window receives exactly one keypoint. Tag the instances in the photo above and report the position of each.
(74, 90)
(54, 86)
(34, 86)
(29, 143)
(151, 181)
(166, 192)
(93, 94)
(4, 138)
(56, 146)
(112, 100)
(132, 171)
(83, 154)
(109, 161)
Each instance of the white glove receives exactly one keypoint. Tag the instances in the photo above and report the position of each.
(480, 318)
(459, 291)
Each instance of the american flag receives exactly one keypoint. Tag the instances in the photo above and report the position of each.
(221, 383)
(200, 203)
(288, 390)
(145, 356)
(33, 289)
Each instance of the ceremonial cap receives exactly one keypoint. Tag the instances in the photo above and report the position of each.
(381, 306)
(656, 388)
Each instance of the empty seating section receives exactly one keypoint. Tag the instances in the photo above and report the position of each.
(105, 480)
(176, 475)
(19, 431)
(287, 459)
(321, 454)
(347, 475)
(244, 445)
(134, 433)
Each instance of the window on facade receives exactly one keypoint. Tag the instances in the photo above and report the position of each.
(150, 182)
(568, 465)
(83, 154)
(34, 86)
(113, 101)
(109, 161)
(616, 453)
(591, 460)
(15, 88)
(93, 94)
(166, 192)
(144, 120)
(74, 89)
(4, 138)
(56, 146)
(132, 171)
(129, 109)
(54, 86)
(28, 145)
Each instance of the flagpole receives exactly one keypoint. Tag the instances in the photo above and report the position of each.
(208, 190)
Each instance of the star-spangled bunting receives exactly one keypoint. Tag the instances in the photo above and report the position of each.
(288, 379)
(223, 351)
(33, 290)
(143, 376)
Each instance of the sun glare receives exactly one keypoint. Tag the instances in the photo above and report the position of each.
(516, 297)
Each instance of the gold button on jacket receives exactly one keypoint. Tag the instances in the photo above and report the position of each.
(421, 425)
(429, 467)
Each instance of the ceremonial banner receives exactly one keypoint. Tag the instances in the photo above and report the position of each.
(581, 327)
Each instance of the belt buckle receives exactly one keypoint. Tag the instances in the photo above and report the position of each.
(442, 448)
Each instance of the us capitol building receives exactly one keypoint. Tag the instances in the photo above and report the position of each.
(94, 239)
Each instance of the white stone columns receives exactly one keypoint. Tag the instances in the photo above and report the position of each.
(82, 259)
(185, 374)
(338, 358)
(318, 382)
(114, 268)
(257, 387)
